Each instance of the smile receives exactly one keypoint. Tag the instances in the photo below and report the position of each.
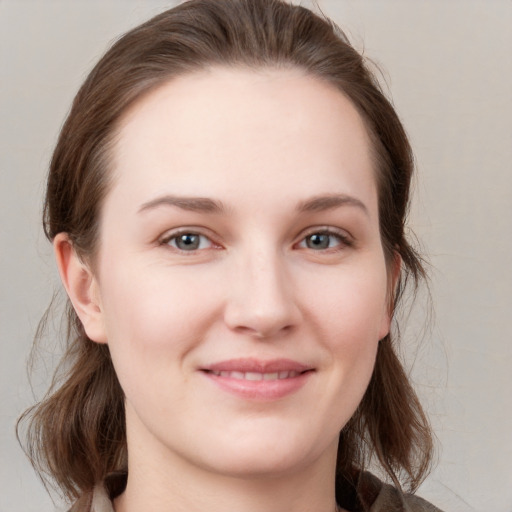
(252, 379)
(256, 375)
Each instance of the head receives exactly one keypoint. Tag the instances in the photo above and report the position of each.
(191, 43)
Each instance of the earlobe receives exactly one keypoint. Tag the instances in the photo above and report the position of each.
(81, 287)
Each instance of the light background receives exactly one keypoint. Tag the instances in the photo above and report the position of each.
(448, 67)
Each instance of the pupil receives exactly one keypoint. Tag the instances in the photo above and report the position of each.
(188, 241)
(318, 241)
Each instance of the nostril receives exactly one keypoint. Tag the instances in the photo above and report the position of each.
(261, 315)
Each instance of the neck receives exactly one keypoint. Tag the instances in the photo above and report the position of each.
(161, 481)
(223, 494)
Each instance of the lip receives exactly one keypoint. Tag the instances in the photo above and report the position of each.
(259, 380)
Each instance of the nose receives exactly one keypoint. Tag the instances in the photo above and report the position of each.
(262, 302)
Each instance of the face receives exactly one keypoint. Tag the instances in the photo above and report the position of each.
(241, 279)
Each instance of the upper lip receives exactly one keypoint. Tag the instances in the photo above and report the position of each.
(258, 366)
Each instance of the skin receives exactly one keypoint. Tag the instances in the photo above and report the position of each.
(267, 144)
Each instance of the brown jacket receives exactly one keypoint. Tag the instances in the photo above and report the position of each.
(372, 496)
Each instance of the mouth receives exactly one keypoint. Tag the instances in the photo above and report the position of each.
(259, 380)
(255, 376)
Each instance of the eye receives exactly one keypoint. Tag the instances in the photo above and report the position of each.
(188, 241)
(323, 240)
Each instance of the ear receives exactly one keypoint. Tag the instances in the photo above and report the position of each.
(393, 280)
(81, 287)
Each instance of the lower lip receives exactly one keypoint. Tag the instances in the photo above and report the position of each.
(263, 390)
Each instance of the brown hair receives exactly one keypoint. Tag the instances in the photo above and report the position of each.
(76, 433)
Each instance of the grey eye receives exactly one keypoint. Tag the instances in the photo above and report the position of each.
(319, 241)
(323, 240)
(189, 242)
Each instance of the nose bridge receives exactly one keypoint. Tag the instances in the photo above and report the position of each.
(262, 301)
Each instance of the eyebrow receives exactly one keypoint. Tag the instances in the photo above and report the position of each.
(330, 202)
(193, 204)
(208, 205)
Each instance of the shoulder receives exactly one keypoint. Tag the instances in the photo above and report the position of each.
(390, 500)
(386, 498)
(97, 500)
(372, 496)
(100, 498)
(83, 504)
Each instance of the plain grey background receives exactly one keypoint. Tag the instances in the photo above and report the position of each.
(448, 68)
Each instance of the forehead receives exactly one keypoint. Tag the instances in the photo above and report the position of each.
(226, 126)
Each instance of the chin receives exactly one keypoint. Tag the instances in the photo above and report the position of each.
(260, 456)
(261, 465)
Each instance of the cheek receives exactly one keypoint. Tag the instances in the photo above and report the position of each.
(153, 323)
(351, 316)
(153, 319)
(352, 306)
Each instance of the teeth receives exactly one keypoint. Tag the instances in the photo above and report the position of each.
(253, 376)
(256, 375)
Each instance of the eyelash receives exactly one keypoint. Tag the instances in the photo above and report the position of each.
(166, 241)
(344, 240)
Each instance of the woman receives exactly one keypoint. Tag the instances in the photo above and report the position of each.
(227, 202)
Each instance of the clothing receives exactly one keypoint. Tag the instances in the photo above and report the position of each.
(373, 496)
